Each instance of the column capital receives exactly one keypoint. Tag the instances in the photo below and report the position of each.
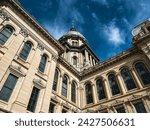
(24, 32)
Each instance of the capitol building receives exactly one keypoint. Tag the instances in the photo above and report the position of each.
(39, 74)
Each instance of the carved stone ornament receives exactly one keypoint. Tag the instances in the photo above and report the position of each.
(4, 15)
(66, 105)
(17, 70)
(102, 107)
(118, 102)
(40, 46)
(55, 98)
(39, 83)
(135, 97)
(148, 94)
(24, 32)
(54, 58)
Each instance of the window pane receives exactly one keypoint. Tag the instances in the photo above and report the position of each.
(120, 110)
(43, 63)
(128, 80)
(89, 95)
(33, 99)
(140, 107)
(100, 89)
(8, 87)
(113, 84)
(5, 34)
(64, 86)
(25, 51)
(51, 108)
(55, 80)
(143, 73)
(73, 92)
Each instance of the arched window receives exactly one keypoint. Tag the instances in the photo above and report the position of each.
(128, 80)
(5, 34)
(143, 72)
(100, 89)
(43, 63)
(74, 59)
(64, 86)
(55, 80)
(73, 92)
(89, 94)
(113, 84)
(25, 50)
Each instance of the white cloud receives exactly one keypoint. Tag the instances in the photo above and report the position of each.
(55, 30)
(59, 25)
(114, 35)
(94, 16)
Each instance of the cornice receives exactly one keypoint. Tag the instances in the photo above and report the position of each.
(17, 8)
(110, 61)
(99, 66)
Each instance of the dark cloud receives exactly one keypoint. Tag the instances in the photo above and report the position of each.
(104, 23)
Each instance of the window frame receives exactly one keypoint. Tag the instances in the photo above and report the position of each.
(7, 37)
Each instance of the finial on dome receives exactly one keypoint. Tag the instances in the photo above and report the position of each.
(73, 27)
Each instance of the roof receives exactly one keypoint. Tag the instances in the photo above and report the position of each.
(74, 32)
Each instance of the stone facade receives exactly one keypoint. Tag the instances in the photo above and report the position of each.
(83, 83)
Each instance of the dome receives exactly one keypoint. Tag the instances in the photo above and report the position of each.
(74, 32)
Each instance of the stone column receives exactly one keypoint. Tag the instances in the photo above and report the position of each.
(146, 50)
(125, 107)
(14, 45)
(24, 95)
(91, 62)
(136, 78)
(60, 83)
(78, 96)
(69, 90)
(95, 97)
(86, 57)
(132, 107)
(107, 90)
(122, 88)
(82, 96)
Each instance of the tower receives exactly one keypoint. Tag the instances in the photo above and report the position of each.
(78, 52)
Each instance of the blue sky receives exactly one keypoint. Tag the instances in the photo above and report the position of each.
(106, 24)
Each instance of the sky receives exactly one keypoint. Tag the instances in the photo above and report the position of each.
(106, 24)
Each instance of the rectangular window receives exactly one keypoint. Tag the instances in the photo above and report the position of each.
(52, 108)
(64, 111)
(33, 99)
(120, 110)
(139, 106)
(8, 87)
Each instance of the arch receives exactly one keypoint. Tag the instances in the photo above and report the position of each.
(127, 78)
(43, 62)
(143, 72)
(113, 84)
(99, 77)
(73, 91)
(89, 93)
(64, 86)
(100, 89)
(26, 50)
(5, 34)
(55, 82)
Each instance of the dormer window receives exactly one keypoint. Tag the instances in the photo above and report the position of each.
(74, 43)
(74, 60)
